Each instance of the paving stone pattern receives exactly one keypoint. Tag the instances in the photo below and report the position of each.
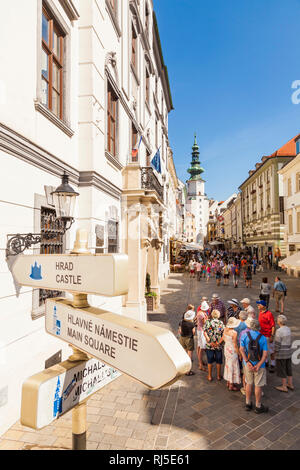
(192, 414)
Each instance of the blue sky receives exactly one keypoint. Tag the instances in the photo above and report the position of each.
(231, 66)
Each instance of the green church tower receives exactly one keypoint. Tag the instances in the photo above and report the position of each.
(195, 170)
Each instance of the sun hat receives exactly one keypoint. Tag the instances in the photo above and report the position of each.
(233, 323)
(189, 315)
(234, 302)
(245, 301)
(204, 306)
(215, 296)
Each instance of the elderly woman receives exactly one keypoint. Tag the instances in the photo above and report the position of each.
(202, 317)
(283, 354)
(231, 351)
(213, 331)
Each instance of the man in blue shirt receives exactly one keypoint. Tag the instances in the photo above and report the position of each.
(254, 370)
(279, 292)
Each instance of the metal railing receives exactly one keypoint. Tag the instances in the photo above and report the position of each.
(149, 181)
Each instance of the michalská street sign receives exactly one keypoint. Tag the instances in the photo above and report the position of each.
(145, 352)
(49, 394)
(105, 275)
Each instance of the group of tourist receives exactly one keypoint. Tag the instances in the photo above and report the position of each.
(224, 267)
(247, 341)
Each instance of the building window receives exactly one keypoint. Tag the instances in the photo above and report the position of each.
(50, 223)
(134, 142)
(147, 86)
(298, 181)
(290, 223)
(113, 236)
(148, 156)
(147, 20)
(52, 64)
(298, 222)
(289, 187)
(113, 4)
(111, 120)
(134, 49)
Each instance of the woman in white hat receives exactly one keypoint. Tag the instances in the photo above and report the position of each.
(202, 316)
(231, 351)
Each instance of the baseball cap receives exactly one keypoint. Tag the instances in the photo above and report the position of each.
(261, 302)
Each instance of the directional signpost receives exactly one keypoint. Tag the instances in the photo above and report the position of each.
(147, 353)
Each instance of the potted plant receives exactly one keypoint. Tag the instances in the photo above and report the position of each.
(150, 296)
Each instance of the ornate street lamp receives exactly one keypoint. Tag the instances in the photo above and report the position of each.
(64, 198)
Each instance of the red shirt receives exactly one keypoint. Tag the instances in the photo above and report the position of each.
(267, 322)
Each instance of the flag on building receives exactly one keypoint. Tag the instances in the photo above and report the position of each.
(156, 162)
(135, 150)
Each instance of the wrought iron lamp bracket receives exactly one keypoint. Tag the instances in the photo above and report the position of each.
(18, 243)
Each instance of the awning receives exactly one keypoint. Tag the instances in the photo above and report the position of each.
(215, 243)
(292, 261)
(192, 247)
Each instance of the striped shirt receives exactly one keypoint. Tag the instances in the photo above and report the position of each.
(283, 343)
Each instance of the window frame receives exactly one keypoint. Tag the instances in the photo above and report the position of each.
(111, 118)
(53, 59)
(134, 49)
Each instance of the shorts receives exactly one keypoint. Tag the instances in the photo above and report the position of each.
(214, 355)
(279, 295)
(201, 341)
(226, 276)
(218, 275)
(284, 368)
(187, 343)
(259, 379)
(192, 271)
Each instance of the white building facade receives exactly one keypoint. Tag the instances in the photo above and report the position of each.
(93, 102)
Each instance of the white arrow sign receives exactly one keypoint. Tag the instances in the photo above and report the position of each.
(49, 394)
(145, 352)
(89, 274)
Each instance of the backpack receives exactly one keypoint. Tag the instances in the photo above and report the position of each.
(254, 352)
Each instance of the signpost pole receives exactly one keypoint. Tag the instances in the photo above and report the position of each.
(80, 301)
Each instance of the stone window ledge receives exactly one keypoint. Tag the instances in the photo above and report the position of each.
(54, 119)
(114, 160)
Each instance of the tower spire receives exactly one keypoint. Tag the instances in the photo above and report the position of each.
(195, 169)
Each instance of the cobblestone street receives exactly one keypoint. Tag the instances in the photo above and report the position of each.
(192, 414)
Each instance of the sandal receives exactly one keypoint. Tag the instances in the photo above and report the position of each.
(280, 389)
(202, 368)
(190, 373)
(209, 379)
(290, 388)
